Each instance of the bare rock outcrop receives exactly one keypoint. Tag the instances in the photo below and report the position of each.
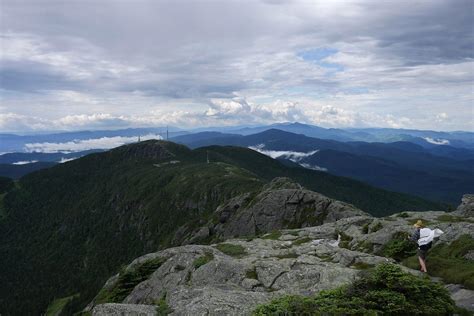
(466, 208)
(281, 204)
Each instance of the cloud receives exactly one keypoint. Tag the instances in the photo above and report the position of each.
(294, 156)
(64, 160)
(25, 162)
(206, 62)
(437, 141)
(81, 145)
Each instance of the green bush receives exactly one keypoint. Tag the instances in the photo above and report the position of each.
(399, 247)
(232, 250)
(384, 290)
(162, 307)
(288, 305)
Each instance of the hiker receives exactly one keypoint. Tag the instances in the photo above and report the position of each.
(424, 238)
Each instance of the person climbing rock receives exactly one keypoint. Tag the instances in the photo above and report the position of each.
(424, 238)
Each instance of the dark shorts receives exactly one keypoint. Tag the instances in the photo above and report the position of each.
(423, 250)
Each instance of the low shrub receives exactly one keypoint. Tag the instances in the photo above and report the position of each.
(399, 247)
(384, 290)
(127, 280)
(162, 307)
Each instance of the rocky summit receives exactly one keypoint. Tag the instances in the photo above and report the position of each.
(280, 204)
(235, 276)
(467, 206)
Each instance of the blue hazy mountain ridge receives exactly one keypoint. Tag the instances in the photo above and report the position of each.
(18, 171)
(400, 166)
(11, 158)
(425, 138)
(16, 143)
(456, 139)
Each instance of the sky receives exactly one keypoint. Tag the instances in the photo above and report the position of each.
(76, 65)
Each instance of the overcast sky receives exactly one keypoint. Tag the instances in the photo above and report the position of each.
(70, 65)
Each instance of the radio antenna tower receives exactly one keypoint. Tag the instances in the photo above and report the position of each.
(167, 132)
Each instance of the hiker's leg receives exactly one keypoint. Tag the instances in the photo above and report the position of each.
(422, 264)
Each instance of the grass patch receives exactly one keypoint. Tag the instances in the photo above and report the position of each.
(385, 290)
(274, 235)
(362, 266)
(56, 306)
(446, 261)
(453, 219)
(162, 307)
(127, 280)
(232, 250)
(202, 260)
(301, 241)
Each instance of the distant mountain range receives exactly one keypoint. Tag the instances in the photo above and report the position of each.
(430, 164)
(427, 139)
(442, 173)
(421, 137)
